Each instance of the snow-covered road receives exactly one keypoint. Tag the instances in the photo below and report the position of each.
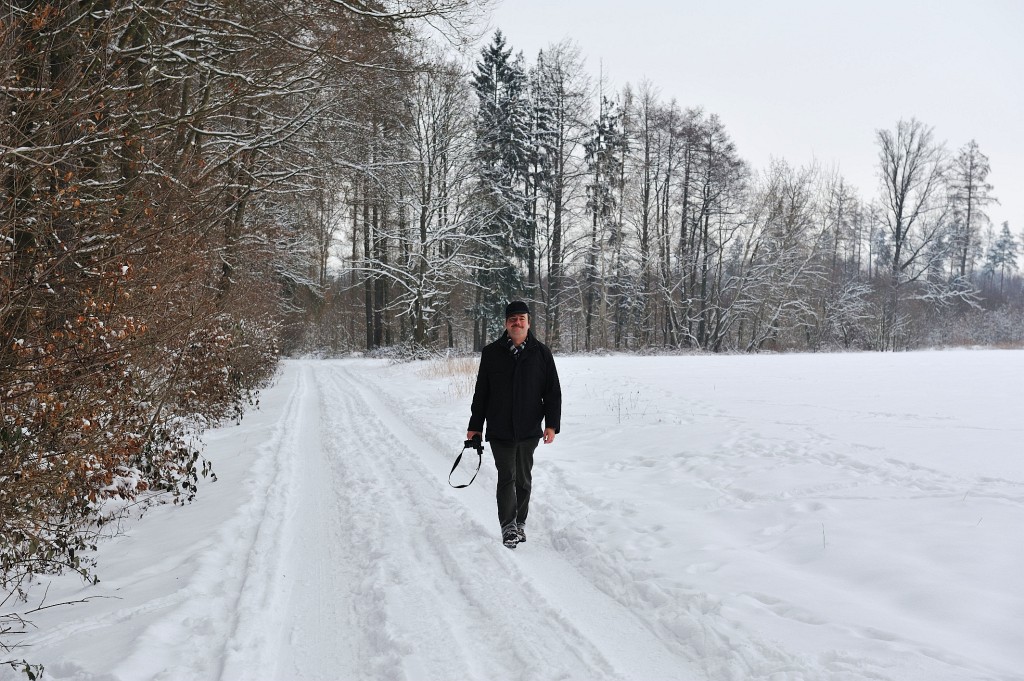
(752, 521)
(376, 572)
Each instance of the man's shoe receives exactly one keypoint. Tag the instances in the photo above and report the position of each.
(521, 533)
(510, 538)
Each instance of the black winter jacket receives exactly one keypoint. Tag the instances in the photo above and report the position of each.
(514, 392)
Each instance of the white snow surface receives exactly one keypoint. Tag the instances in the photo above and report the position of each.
(818, 517)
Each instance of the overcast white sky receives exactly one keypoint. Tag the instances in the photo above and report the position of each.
(813, 79)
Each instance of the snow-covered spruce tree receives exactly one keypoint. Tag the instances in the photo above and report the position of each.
(540, 176)
(502, 235)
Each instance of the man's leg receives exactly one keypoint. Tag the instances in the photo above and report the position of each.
(524, 478)
(505, 493)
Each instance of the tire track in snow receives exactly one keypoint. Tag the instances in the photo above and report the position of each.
(426, 622)
(264, 590)
(216, 601)
(360, 569)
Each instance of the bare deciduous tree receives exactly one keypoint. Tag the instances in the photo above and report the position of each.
(912, 166)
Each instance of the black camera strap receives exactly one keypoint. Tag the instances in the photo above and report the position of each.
(476, 444)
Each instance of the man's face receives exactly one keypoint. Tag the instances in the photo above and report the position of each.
(517, 325)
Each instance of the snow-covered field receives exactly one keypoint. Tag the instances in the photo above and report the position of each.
(856, 516)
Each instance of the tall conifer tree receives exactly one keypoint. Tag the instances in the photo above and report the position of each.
(503, 153)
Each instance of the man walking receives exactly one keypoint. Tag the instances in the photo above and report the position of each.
(516, 387)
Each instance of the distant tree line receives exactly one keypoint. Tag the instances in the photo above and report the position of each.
(634, 224)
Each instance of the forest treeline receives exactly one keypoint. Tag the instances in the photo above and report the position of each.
(190, 188)
(633, 223)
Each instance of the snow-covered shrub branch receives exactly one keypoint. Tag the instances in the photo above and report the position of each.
(156, 164)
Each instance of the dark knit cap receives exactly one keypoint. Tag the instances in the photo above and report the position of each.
(516, 307)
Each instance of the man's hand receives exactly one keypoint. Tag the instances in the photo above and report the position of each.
(473, 433)
(549, 435)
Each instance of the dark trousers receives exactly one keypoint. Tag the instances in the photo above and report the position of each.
(514, 461)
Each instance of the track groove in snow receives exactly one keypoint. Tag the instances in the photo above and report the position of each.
(375, 576)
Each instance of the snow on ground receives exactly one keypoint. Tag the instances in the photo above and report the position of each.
(853, 516)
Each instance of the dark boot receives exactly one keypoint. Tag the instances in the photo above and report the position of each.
(510, 537)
